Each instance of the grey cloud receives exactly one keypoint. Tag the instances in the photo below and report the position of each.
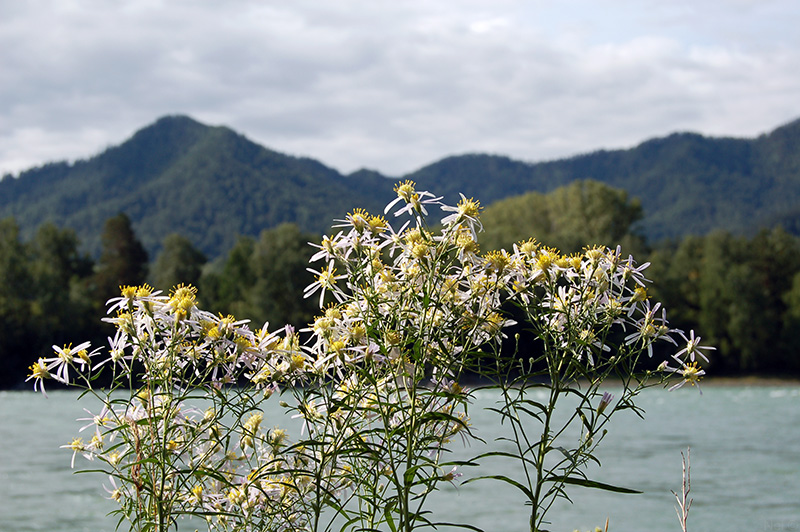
(392, 86)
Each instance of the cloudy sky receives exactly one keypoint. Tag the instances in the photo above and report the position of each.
(393, 85)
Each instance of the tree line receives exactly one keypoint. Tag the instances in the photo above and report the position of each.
(51, 293)
(742, 294)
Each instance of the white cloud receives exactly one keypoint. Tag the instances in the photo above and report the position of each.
(393, 85)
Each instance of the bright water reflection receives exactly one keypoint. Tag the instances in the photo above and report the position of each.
(745, 445)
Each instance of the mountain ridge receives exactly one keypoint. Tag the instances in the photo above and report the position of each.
(212, 184)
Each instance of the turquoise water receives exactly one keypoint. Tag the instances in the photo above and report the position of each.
(745, 465)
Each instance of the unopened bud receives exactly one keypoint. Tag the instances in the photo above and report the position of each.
(604, 402)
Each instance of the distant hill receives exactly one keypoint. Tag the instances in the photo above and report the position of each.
(211, 185)
(687, 183)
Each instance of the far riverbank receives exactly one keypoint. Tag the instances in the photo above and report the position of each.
(752, 380)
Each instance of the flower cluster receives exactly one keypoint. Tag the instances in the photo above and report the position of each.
(405, 311)
(167, 457)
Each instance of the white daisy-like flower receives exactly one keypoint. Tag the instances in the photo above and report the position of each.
(693, 347)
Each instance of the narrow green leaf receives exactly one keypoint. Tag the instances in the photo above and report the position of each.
(502, 478)
(387, 513)
(593, 484)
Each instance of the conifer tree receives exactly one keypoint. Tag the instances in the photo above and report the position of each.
(123, 259)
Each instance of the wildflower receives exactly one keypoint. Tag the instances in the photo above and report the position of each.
(196, 496)
(238, 496)
(116, 346)
(414, 200)
(466, 242)
(405, 192)
(39, 373)
(690, 373)
(497, 261)
(588, 340)
(420, 250)
(377, 224)
(693, 347)
(639, 295)
(546, 258)
(76, 446)
(594, 254)
(611, 310)
(494, 323)
(326, 280)
(182, 300)
(250, 430)
(128, 293)
(114, 493)
(527, 247)
(96, 444)
(635, 273)
(329, 249)
(277, 437)
(467, 211)
(451, 475)
(650, 328)
(66, 357)
(358, 220)
(132, 296)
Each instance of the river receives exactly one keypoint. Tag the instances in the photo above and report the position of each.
(745, 467)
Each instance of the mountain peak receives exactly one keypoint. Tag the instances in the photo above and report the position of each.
(170, 129)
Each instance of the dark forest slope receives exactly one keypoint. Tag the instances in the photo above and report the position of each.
(212, 184)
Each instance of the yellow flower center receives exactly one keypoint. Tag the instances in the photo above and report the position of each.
(144, 291)
(691, 373)
(77, 445)
(497, 261)
(405, 190)
(65, 354)
(529, 247)
(469, 207)
(359, 219)
(377, 224)
(39, 370)
(128, 292)
(639, 294)
(420, 250)
(327, 277)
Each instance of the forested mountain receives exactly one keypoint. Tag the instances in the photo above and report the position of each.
(179, 176)
(687, 183)
(211, 184)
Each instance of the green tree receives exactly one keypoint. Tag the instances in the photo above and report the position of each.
(738, 292)
(773, 257)
(15, 306)
(123, 259)
(264, 280)
(224, 286)
(515, 219)
(592, 213)
(569, 218)
(61, 308)
(279, 262)
(179, 262)
(791, 325)
(675, 269)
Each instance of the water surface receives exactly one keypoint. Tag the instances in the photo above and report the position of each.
(745, 450)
